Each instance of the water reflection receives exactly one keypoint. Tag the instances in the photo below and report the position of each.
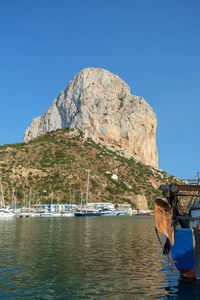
(183, 289)
(79, 258)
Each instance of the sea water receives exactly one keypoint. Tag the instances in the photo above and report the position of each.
(86, 258)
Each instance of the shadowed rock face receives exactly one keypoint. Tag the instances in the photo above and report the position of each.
(101, 105)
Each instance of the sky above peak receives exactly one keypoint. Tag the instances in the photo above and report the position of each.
(153, 45)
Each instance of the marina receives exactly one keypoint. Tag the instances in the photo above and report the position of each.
(84, 209)
(61, 210)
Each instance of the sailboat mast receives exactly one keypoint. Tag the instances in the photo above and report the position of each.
(87, 190)
(30, 200)
(81, 198)
(70, 199)
(51, 200)
(13, 196)
(2, 195)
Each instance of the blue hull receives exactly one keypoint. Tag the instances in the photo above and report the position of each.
(182, 252)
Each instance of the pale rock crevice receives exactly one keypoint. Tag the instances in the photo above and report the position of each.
(141, 202)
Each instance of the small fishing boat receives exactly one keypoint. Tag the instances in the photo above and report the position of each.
(142, 213)
(177, 217)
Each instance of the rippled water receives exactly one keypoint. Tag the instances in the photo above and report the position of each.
(86, 258)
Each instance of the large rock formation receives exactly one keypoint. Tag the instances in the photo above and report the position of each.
(101, 105)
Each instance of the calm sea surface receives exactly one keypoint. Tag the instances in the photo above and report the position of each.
(86, 258)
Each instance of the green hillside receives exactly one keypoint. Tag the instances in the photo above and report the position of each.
(59, 161)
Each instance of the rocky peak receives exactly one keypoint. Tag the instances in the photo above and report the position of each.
(100, 104)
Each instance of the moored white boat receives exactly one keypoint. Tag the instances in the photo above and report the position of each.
(68, 214)
(87, 213)
(109, 212)
(6, 213)
(45, 214)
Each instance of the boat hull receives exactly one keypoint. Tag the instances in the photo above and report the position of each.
(67, 215)
(5, 216)
(6, 213)
(142, 214)
(87, 214)
(183, 252)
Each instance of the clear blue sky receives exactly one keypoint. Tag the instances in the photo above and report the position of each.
(153, 45)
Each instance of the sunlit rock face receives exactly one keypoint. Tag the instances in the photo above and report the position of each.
(100, 104)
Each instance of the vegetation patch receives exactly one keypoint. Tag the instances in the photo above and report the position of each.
(59, 161)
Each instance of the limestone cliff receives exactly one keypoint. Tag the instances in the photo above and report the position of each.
(101, 105)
